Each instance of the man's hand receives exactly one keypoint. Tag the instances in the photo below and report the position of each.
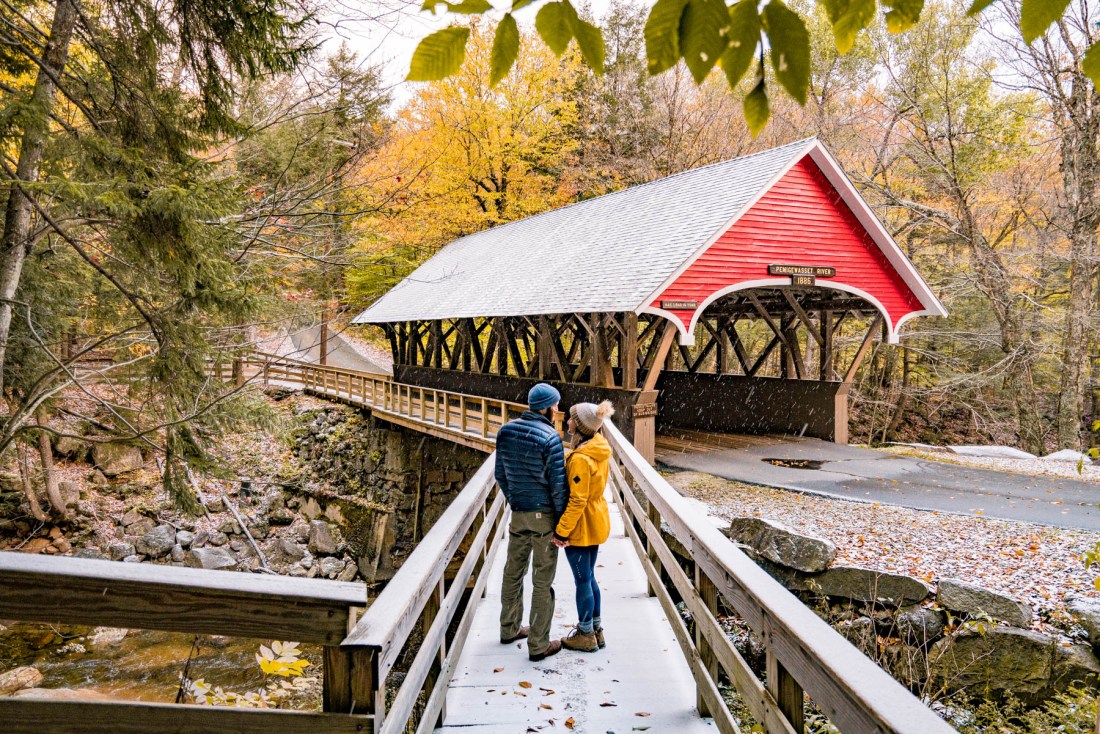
(559, 543)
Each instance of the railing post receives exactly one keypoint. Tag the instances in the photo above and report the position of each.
(484, 418)
(447, 409)
(784, 688)
(350, 683)
(462, 412)
(650, 543)
(708, 592)
(431, 609)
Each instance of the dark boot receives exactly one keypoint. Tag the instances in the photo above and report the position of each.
(553, 649)
(599, 638)
(524, 631)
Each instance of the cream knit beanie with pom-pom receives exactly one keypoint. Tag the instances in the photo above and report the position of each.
(589, 417)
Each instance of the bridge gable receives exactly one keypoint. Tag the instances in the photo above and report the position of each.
(803, 219)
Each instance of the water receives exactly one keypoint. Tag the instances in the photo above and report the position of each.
(138, 665)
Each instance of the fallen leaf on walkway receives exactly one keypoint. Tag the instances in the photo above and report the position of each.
(569, 723)
(547, 691)
(520, 693)
(608, 703)
(641, 713)
(524, 684)
(498, 670)
(545, 706)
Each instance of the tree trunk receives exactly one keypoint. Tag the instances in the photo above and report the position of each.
(15, 241)
(28, 487)
(49, 476)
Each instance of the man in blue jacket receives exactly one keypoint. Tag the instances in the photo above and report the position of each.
(530, 469)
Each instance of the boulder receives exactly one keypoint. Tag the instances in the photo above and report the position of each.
(185, 538)
(117, 458)
(349, 573)
(973, 600)
(70, 447)
(97, 478)
(331, 566)
(283, 550)
(37, 545)
(141, 527)
(132, 559)
(131, 517)
(230, 527)
(281, 516)
(215, 503)
(1068, 455)
(1087, 612)
(779, 544)
(1075, 665)
(998, 661)
(70, 493)
(103, 637)
(177, 554)
(321, 540)
(118, 551)
(211, 558)
(158, 542)
(91, 552)
(906, 663)
(201, 538)
(917, 625)
(865, 584)
(218, 538)
(17, 679)
(861, 633)
(63, 545)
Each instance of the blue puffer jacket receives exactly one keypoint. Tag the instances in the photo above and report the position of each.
(530, 465)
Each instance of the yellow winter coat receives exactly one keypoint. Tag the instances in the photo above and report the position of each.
(586, 520)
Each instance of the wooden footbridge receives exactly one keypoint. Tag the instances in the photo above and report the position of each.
(774, 275)
(460, 677)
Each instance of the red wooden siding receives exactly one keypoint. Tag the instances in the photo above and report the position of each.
(801, 220)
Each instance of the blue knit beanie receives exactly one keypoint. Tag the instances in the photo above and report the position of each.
(542, 396)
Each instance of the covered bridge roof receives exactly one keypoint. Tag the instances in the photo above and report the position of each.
(621, 251)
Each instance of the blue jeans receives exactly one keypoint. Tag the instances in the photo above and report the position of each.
(582, 561)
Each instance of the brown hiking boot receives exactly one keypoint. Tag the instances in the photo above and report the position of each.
(580, 641)
(599, 638)
(553, 649)
(524, 631)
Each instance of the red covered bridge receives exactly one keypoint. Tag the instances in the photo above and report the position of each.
(771, 269)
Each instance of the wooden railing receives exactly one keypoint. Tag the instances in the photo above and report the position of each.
(422, 598)
(471, 420)
(804, 655)
(427, 608)
(52, 590)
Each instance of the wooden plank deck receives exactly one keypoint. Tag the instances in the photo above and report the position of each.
(640, 671)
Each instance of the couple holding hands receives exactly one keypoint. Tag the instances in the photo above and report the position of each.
(557, 502)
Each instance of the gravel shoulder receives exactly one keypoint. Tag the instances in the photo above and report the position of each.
(1037, 564)
(1034, 467)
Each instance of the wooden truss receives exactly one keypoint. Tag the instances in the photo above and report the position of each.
(628, 351)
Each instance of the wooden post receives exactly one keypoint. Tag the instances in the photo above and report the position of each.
(544, 347)
(708, 592)
(484, 418)
(840, 413)
(785, 689)
(628, 353)
(645, 425)
(825, 365)
(351, 684)
(431, 609)
(651, 545)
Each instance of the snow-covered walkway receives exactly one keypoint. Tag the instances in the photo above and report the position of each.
(639, 681)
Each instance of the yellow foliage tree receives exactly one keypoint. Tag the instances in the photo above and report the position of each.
(463, 157)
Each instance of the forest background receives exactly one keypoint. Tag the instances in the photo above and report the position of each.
(183, 179)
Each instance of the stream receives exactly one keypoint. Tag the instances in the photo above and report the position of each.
(138, 665)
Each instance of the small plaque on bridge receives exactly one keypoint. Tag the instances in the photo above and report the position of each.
(818, 271)
(679, 305)
(803, 280)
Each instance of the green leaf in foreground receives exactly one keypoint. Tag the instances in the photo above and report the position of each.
(979, 6)
(589, 38)
(662, 35)
(505, 49)
(702, 37)
(1037, 15)
(848, 18)
(756, 108)
(790, 52)
(903, 15)
(1091, 66)
(552, 25)
(439, 55)
(743, 37)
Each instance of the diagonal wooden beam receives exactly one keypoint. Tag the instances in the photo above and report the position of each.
(805, 317)
(738, 346)
(863, 349)
(763, 355)
(663, 347)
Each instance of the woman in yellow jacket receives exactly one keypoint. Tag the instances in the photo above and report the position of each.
(585, 524)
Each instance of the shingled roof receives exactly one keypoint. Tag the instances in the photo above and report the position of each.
(607, 254)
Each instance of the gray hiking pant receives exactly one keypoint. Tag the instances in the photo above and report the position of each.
(529, 534)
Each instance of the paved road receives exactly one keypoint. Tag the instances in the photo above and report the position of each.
(875, 476)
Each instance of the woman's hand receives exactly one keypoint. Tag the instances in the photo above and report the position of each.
(560, 543)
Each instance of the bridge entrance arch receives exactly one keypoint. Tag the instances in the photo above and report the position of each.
(776, 247)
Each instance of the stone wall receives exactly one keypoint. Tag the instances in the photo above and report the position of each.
(383, 485)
